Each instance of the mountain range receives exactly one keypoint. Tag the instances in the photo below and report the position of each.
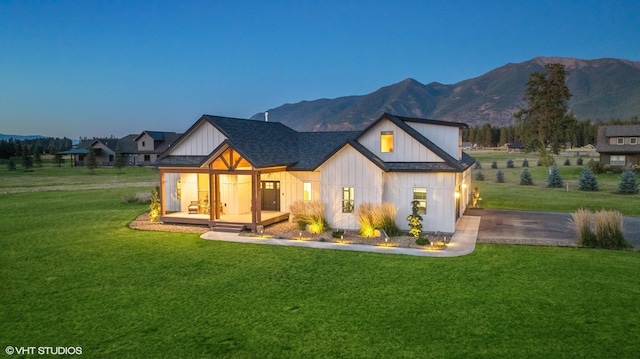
(602, 89)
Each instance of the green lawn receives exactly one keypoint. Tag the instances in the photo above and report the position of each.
(512, 195)
(73, 274)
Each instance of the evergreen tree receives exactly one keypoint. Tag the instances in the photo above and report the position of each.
(525, 178)
(478, 175)
(567, 162)
(500, 176)
(58, 160)
(587, 180)
(11, 166)
(494, 165)
(525, 163)
(579, 161)
(91, 160)
(628, 182)
(154, 207)
(27, 159)
(37, 158)
(546, 121)
(478, 166)
(119, 162)
(554, 180)
(509, 163)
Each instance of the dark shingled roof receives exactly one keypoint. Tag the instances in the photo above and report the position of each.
(268, 144)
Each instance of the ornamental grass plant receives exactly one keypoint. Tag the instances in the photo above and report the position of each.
(309, 213)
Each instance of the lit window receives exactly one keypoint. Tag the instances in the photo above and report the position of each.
(306, 188)
(420, 195)
(386, 141)
(633, 141)
(616, 160)
(347, 199)
(621, 140)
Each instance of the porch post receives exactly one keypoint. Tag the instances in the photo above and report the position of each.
(256, 202)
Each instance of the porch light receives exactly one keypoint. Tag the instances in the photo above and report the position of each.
(457, 194)
(464, 186)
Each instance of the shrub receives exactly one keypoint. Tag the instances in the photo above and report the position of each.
(422, 241)
(500, 176)
(525, 178)
(608, 230)
(579, 161)
(583, 224)
(594, 166)
(337, 234)
(509, 163)
(478, 175)
(525, 163)
(309, 213)
(478, 166)
(494, 165)
(567, 162)
(628, 182)
(415, 221)
(372, 217)
(587, 181)
(554, 180)
(154, 207)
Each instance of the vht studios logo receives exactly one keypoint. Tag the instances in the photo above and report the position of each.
(10, 350)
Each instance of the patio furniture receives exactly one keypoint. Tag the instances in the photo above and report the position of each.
(193, 207)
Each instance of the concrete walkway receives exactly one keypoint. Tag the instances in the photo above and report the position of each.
(463, 242)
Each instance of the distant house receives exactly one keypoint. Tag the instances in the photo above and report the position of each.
(515, 147)
(137, 149)
(619, 145)
(224, 170)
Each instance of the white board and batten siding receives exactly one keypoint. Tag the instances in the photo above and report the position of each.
(398, 189)
(405, 147)
(292, 186)
(449, 138)
(201, 141)
(348, 168)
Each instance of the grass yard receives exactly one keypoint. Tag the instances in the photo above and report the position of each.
(512, 195)
(73, 274)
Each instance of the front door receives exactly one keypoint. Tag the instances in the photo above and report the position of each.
(270, 195)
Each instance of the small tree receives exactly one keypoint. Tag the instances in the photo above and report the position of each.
(554, 180)
(567, 162)
(500, 176)
(57, 158)
(92, 161)
(587, 180)
(579, 161)
(525, 178)
(119, 161)
(27, 159)
(154, 207)
(37, 158)
(478, 166)
(509, 163)
(478, 175)
(628, 182)
(525, 163)
(494, 165)
(11, 166)
(415, 220)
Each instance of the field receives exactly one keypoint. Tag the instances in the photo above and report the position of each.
(74, 275)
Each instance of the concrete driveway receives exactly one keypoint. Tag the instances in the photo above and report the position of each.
(548, 228)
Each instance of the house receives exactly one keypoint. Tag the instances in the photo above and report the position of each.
(225, 170)
(515, 147)
(137, 149)
(619, 145)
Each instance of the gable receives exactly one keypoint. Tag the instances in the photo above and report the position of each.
(200, 140)
(405, 147)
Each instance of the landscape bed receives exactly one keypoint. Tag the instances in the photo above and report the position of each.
(75, 274)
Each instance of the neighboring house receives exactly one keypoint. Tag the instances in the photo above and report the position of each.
(619, 145)
(137, 150)
(515, 147)
(244, 171)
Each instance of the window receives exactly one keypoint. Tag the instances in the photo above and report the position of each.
(143, 144)
(347, 199)
(616, 160)
(306, 188)
(386, 141)
(147, 158)
(633, 141)
(420, 195)
(621, 140)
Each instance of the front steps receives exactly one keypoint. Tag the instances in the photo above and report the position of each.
(226, 227)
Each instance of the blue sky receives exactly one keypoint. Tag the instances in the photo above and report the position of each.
(101, 68)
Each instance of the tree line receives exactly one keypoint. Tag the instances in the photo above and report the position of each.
(584, 133)
(36, 146)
